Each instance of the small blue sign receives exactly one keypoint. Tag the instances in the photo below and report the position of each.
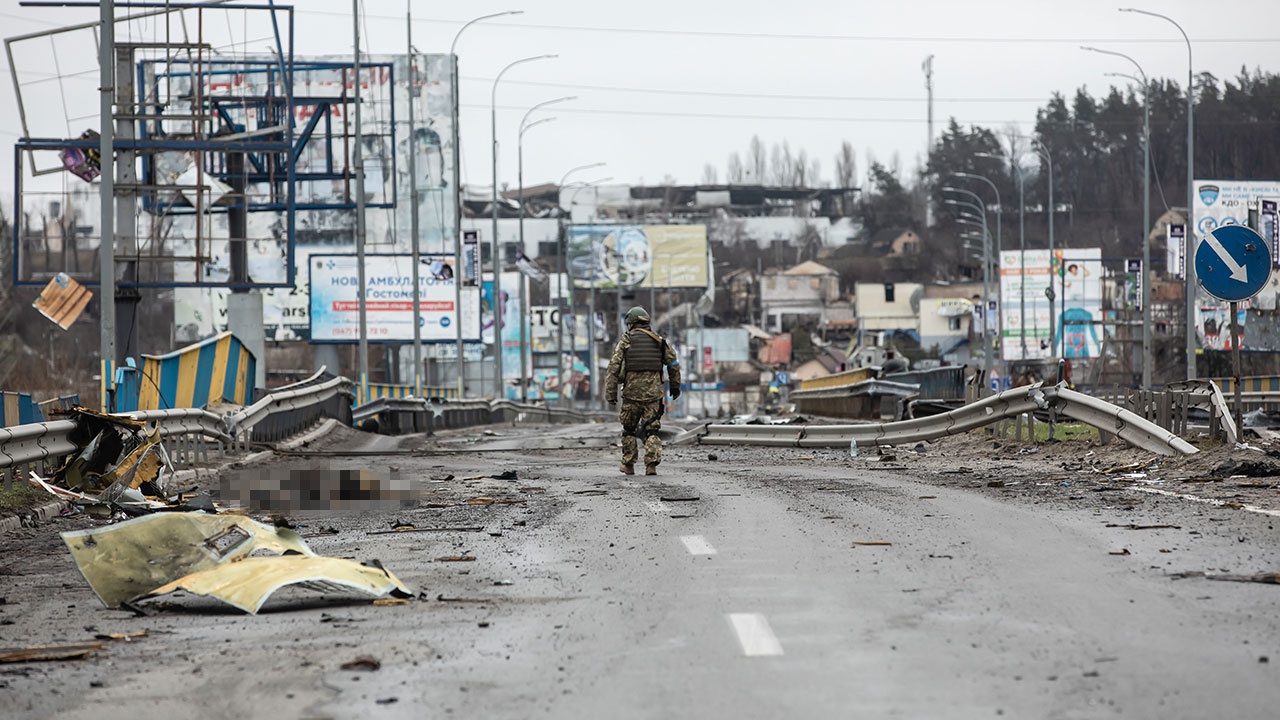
(1233, 262)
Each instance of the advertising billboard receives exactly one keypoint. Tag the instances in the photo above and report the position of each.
(335, 300)
(1024, 291)
(638, 256)
(1228, 202)
(1076, 274)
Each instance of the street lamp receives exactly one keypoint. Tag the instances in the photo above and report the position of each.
(579, 168)
(1189, 264)
(1049, 293)
(525, 365)
(1022, 248)
(999, 223)
(494, 247)
(981, 221)
(591, 306)
(1147, 350)
(564, 277)
(977, 199)
(525, 126)
(457, 188)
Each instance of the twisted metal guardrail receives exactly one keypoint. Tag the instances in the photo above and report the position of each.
(285, 412)
(1008, 404)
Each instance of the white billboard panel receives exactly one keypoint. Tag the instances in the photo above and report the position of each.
(335, 300)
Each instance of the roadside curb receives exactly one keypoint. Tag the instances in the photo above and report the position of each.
(33, 517)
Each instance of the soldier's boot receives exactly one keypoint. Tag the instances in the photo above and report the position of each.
(651, 469)
(628, 469)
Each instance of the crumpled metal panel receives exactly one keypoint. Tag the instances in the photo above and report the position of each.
(126, 560)
(248, 583)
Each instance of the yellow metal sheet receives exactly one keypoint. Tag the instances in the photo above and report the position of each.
(129, 559)
(247, 583)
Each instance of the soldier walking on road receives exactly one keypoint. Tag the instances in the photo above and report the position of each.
(637, 365)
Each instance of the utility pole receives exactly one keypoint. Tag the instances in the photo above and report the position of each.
(360, 229)
(413, 211)
(106, 196)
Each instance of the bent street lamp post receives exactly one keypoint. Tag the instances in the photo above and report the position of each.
(1191, 286)
(495, 245)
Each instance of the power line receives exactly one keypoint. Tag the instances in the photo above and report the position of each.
(758, 96)
(742, 116)
(806, 37)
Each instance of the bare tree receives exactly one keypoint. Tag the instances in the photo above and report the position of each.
(709, 176)
(846, 165)
(757, 160)
(735, 172)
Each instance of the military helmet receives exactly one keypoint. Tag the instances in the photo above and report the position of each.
(637, 315)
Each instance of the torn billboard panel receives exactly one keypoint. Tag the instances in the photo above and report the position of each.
(62, 300)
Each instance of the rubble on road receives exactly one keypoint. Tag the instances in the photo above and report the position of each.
(121, 467)
(37, 653)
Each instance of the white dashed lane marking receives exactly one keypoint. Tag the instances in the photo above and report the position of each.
(697, 545)
(656, 507)
(754, 634)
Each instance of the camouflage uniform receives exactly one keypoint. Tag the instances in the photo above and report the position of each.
(642, 395)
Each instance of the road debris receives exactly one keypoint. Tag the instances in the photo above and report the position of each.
(40, 653)
(456, 558)
(210, 555)
(1135, 526)
(444, 598)
(1264, 578)
(364, 662)
(126, 560)
(121, 466)
(411, 529)
(1122, 551)
(126, 637)
(679, 498)
(1247, 468)
(248, 583)
(872, 543)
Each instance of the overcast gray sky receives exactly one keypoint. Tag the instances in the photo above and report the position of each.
(665, 87)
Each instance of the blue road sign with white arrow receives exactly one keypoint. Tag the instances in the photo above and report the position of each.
(1233, 262)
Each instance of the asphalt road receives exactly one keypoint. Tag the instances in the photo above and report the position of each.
(764, 583)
